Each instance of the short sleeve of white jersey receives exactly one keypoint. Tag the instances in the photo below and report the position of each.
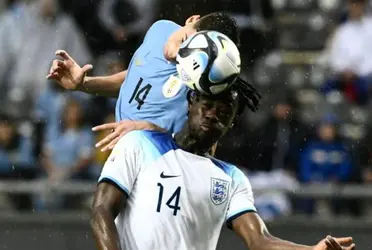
(123, 164)
(242, 200)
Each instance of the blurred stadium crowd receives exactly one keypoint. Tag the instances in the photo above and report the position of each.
(310, 59)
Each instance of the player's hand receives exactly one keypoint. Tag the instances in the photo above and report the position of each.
(171, 50)
(174, 42)
(331, 243)
(119, 129)
(67, 72)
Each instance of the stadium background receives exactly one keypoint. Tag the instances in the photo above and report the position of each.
(286, 51)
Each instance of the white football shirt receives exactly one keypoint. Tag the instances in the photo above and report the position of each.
(176, 200)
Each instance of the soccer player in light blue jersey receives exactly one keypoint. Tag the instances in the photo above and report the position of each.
(149, 93)
(159, 191)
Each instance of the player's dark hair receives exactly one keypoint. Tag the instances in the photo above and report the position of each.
(248, 95)
(220, 22)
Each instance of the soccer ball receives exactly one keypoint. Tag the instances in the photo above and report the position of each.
(208, 62)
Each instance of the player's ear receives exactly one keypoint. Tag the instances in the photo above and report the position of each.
(192, 19)
(191, 97)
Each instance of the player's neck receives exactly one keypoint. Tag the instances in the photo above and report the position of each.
(190, 144)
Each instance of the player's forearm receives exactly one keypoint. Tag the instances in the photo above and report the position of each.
(104, 229)
(273, 243)
(108, 86)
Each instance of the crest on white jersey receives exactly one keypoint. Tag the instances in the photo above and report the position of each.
(219, 190)
(172, 87)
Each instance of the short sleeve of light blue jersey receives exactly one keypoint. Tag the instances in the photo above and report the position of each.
(242, 200)
(151, 90)
(160, 27)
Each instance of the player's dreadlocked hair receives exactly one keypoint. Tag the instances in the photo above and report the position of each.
(243, 89)
(248, 95)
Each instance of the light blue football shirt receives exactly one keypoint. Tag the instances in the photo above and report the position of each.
(151, 90)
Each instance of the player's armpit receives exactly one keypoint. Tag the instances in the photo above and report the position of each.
(108, 201)
(253, 230)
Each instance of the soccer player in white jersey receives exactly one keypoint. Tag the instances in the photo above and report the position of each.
(159, 192)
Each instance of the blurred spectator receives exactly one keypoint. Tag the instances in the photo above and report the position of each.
(270, 200)
(351, 53)
(254, 21)
(107, 64)
(127, 21)
(16, 158)
(271, 155)
(70, 155)
(15, 150)
(29, 36)
(49, 109)
(278, 143)
(124, 18)
(325, 160)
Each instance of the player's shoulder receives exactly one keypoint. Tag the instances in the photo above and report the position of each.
(161, 24)
(162, 28)
(132, 137)
(153, 141)
(344, 30)
(229, 169)
(162, 141)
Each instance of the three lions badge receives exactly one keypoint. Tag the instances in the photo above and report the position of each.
(219, 190)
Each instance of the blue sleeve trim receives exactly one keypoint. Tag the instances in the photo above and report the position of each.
(115, 183)
(236, 215)
(224, 166)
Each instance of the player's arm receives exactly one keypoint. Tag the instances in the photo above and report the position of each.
(108, 202)
(174, 42)
(71, 76)
(243, 219)
(108, 86)
(256, 236)
(115, 185)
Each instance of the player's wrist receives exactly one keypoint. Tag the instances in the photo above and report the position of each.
(141, 125)
(82, 85)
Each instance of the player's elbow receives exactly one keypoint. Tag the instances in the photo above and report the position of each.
(263, 242)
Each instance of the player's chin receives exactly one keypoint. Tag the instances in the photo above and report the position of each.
(208, 134)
